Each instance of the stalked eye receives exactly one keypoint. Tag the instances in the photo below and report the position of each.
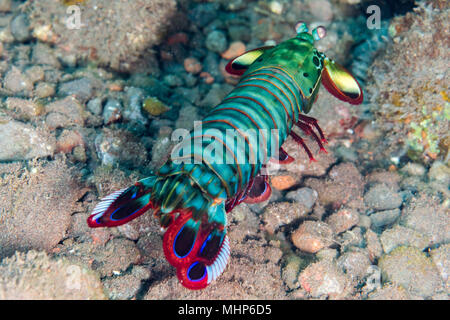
(300, 27)
(196, 272)
(184, 241)
(319, 33)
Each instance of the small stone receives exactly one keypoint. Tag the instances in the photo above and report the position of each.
(21, 141)
(112, 112)
(282, 213)
(44, 90)
(155, 107)
(343, 220)
(321, 9)
(65, 112)
(20, 28)
(44, 55)
(355, 264)
(390, 292)
(25, 109)
(440, 172)
(414, 169)
(17, 82)
(82, 89)
(192, 65)
(282, 182)
(204, 13)
(173, 80)
(95, 106)
(410, 268)
(290, 271)
(5, 5)
(373, 244)
(313, 236)
(441, 259)
(399, 236)
(235, 49)
(68, 140)
(216, 41)
(381, 197)
(79, 153)
(305, 196)
(383, 218)
(323, 279)
(35, 73)
(133, 106)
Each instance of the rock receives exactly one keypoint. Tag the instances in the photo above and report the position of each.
(373, 245)
(381, 197)
(343, 220)
(133, 107)
(204, 13)
(441, 259)
(25, 109)
(120, 147)
(65, 112)
(20, 28)
(38, 204)
(413, 270)
(112, 111)
(22, 141)
(390, 292)
(344, 185)
(439, 172)
(323, 279)
(44, 90)
(321, 9)
(290, 271)
(235, 49)
(5, 5)
(279, 214)
(35, 276)
(95, 106)
(313, 236)
(216, 41)
(68, 140)
(44, 55)
(128, 285)
(305, 196)
(192, 65)
(17, 82)
(414, 169)
(35, 73)
(354, 263)
(82, 89)
(155, 107)
(428, 216)
(383, 218)
(282, 182)
(401, 236)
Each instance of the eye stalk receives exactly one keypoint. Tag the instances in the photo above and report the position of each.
(301, 27)
(319, 33)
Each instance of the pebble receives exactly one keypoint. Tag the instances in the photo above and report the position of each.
(133, 106)
(65, 112)
(282, 182)
(290, 271)
(192, 65)
(216, 41)
(413, 169)
(5, 5)
(43, 54)
(112, 111)
(305, 196)
(82, 89)
(441, 259)
(20, 28)
(390, 292)
(321, 9)
(17, 82)
(439, 172)
(313, 236)
(381, 197)
(239, 32)
(35, 73)
(323, 279)
(95, 106)
(68, 140)
(282, 213)
(154, 107)
(354, 263)
(373, 245)
(235, 49)
(22, 141)
(343, 220)
(399, 236)
(410, 268)
(44, 90)
(173, 80)
(204, 13)
(25, 109)
(383, 218)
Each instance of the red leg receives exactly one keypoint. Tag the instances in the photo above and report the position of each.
(299, 140)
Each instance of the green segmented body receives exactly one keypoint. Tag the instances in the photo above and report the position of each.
(278, 86)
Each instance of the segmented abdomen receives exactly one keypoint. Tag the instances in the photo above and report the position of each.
(259, 114)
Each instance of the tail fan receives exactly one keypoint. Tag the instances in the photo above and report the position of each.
(198, 249)
(123, 205)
